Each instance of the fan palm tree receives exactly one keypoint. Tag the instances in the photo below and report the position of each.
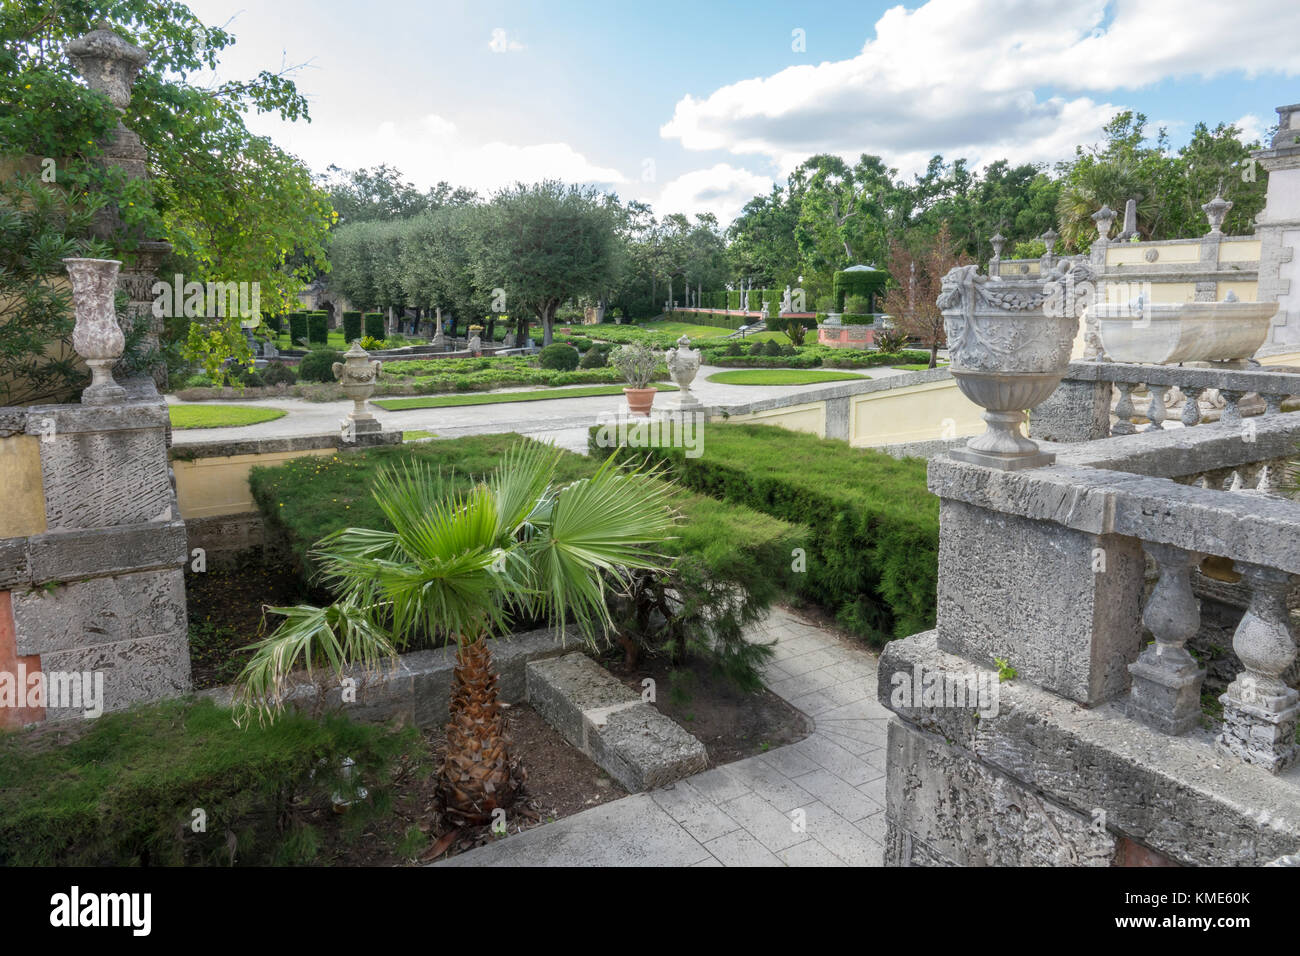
(455, 567)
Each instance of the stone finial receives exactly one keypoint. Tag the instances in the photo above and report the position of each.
(358, 374)
(97, 337)
(1049, 238)
(683, 363)
(1104, 218)
(997, 242)
(1216, 210)
(108, 63)
(1130, 221)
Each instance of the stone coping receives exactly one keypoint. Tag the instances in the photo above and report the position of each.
(77, 554)
(813, 394)
(1175, 794)
(1093, 488)
(1259, 380)
(223, 448)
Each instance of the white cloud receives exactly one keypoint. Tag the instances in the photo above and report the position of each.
(1253, 128)
(501, 43)
(433, 148)
(721, 189)
(958, 77)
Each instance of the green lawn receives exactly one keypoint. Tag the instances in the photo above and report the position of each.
(780, 376)
(220, 416)
(499, 398)
(919, 367)
(416, 434)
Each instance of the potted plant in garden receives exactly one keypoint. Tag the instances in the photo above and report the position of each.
(455, 567)
(637, 364)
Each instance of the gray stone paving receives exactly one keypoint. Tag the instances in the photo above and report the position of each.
(748, 813)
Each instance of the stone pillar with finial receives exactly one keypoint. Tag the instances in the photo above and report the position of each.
(995, 264)
(1130, 221)
(110, 65)
(1216, 211)
(1048, 262)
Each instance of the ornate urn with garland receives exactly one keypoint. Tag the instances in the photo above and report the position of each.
(1009, 342)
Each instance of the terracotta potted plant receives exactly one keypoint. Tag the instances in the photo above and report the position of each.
(637, 364)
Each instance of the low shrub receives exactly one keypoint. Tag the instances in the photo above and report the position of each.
(594, 358)
(318, 365)
(873, 558)
(245, 376)
(279, 375)
(122, 789)
(757, 348)
(351, 327)
(772, 348)
(559, 357)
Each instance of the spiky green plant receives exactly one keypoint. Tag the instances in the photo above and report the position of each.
(455, 567)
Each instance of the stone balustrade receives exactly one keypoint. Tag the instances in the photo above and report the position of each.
(1099, 399)
(1088, 524)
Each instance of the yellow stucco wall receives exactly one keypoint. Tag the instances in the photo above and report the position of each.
(1286, 358)
(1240, 251)
(913, 413)
(1134, 253)
(219, 486)
(1245, 291)
(24, 492)
(799, 418)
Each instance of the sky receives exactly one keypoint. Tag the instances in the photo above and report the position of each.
(698, 106)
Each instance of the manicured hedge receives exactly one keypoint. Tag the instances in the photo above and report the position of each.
(559, 356)
(851, 318)
(318, 328)
(875, 527)
(351, 326)
(318, 365)
(864, 284)
(375, 324)
(273, 322)
(297, 328)
(122, 790)
(716, 319)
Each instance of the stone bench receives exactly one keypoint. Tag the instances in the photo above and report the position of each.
(630, 740)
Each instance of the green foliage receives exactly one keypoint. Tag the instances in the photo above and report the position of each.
(594, 358)
(351, 327)
(854, 290)
(561, 358)
(298, 329)
(772, 348)
(121, 790)
(318, 365)
(1005, 671)
(274, 322)
(637, 363)
(318, 329)
(278, 374)
(375, 325)
(873, 554)
(730, 562)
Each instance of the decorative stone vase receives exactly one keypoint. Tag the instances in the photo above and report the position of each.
(96, 336)
(640, 400)
(1009, 340)
(1165, 333)
(358, 373)
(683, 365)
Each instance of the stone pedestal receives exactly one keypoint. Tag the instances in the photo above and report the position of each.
(1076, 411)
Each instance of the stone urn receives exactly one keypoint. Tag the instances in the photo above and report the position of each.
(358, 373)
(683, 364)
(475, 344)
(1009, 341)
(96, 336)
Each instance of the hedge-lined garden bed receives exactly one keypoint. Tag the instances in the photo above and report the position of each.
(874, 552)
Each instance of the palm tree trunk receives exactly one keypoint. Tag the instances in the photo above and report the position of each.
(476, 773)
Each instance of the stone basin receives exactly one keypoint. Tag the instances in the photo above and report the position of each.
(1164, 333)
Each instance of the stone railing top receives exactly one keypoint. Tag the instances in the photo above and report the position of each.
(1262, 380)
(1094, 488)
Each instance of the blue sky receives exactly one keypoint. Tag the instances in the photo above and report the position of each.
(697, 106)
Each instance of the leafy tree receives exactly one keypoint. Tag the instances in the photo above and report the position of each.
(544, 245)
(911, 300)
(235, 207)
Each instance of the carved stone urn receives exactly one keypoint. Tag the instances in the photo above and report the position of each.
(683, 364)
(1009, 341)
(96, 336)
(358, 373)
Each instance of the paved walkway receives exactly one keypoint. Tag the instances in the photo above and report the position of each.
(564, 420)
(745, 813)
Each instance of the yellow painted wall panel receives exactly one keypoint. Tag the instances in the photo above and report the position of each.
(24, 492)
(913, 413)
(799, 418)
(219, 486)
(1242, 251)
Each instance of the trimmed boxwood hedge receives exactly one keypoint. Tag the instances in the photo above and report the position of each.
(375, 324)
(351, 326)
(297, 328)
(874, 553)
(318, 328)
(861, 283)
(318, 365)
(273, 322)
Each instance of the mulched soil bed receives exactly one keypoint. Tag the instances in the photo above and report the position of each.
(560, 781)
(731, 724)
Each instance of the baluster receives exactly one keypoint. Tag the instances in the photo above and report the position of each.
(1231, 412)
(1233, 483)
(1192, 406)
(1166, 690)
(1124, 410)
(1266, 484)
(1156, 407)
(1273, 403)
(1260, 712)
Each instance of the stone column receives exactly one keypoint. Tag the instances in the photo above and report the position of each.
(1278, 229)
